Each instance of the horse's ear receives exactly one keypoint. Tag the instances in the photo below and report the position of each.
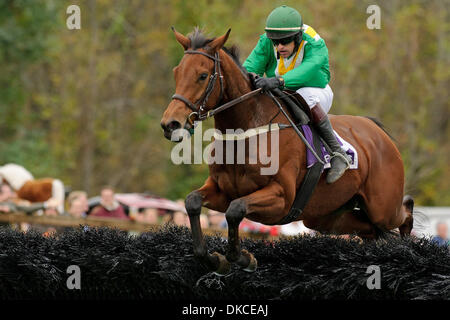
(218, 43)
(183, 40)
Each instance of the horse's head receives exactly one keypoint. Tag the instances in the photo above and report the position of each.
(198, 84)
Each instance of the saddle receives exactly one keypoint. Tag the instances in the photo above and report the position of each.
(295, 103)
(299, 102)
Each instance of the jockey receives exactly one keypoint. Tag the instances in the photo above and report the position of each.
(294, 56)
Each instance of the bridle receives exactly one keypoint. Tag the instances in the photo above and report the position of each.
(198, 108)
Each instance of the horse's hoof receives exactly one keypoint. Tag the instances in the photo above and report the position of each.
(349, 237)
(357, 239)
(224, 266)
(253, 264)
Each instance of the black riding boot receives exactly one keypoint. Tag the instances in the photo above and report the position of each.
(339, 159)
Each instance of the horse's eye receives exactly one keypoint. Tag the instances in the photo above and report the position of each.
(203, 76)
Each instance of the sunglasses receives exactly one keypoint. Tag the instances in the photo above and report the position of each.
(283, 41)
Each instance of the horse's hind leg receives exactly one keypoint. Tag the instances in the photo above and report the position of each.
(268, 202)
(343, 223)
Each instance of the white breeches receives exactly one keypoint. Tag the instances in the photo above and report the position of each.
(314, 95)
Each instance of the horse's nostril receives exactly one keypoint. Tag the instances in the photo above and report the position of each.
(173, 125)
(163, 125)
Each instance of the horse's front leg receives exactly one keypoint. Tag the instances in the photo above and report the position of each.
(210, 196)
(268, 201)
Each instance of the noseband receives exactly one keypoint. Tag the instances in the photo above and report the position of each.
(198, 109)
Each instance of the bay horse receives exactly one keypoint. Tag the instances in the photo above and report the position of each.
(241, 191)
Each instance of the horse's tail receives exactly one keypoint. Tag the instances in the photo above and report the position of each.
(421, 224)
(418, 220)
(382, 127)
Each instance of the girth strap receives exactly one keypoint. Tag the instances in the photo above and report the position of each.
(307, 186)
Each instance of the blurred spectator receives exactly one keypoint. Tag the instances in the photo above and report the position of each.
(204, 223)
(216, 219)
(179, 218)
(167, 217)
(149, 215)
(10, 202)
(109, 207)
(441, 238)
(79, 195)
(294, 228)
(6, 192)
(77, 208)
(19, 205)
(50, 210)
(180, 202)
(48, 231)
(4, 208)
(34, 190)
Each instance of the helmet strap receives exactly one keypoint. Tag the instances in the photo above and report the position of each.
(297, 41)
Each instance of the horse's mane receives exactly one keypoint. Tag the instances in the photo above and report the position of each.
(233, 52)
(199, 41)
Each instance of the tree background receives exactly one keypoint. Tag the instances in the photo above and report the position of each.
(85, 105)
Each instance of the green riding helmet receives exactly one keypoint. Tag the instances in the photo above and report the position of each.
(283, 22)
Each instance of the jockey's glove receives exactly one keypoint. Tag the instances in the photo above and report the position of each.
(269, 83)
